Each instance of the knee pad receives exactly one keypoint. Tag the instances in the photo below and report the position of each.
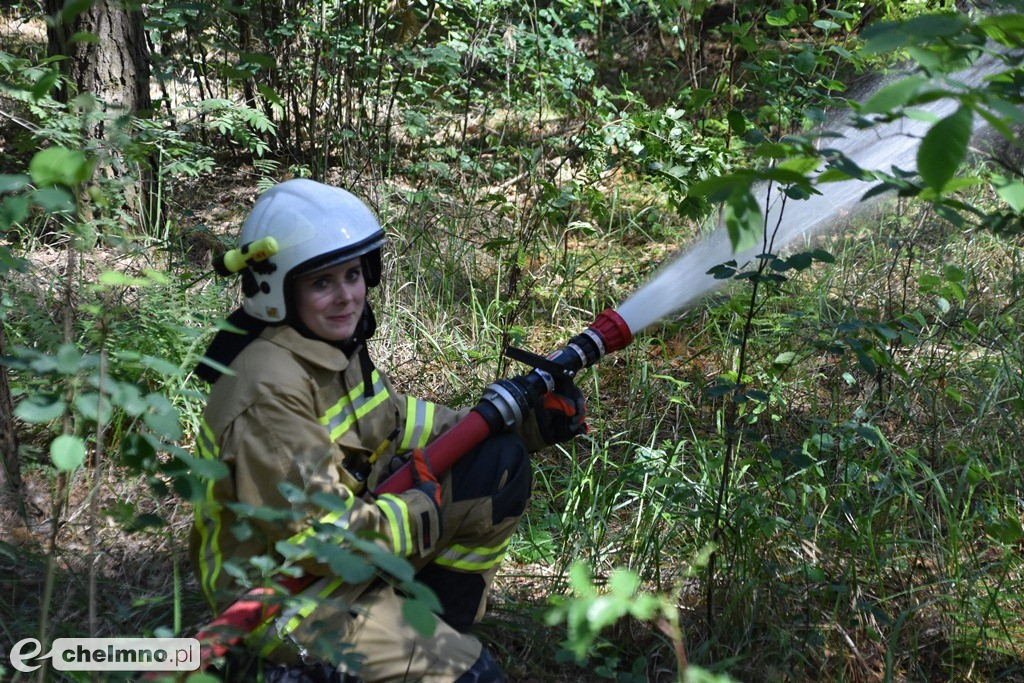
(499, 469)
(484, 670)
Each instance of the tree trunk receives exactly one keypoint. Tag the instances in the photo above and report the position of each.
(10, 470)
(114, 68)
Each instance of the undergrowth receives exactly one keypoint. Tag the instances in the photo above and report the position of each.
(817, 469)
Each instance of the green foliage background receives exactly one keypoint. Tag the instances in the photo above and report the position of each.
(815, 474)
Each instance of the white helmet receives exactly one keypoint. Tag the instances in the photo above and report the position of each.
(316, 226)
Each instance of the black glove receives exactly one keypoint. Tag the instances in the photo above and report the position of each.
(562, 414)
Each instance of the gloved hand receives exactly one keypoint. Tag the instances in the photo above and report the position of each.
(423, 476)
(562, 413)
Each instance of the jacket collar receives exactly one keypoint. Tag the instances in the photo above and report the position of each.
(318, 352)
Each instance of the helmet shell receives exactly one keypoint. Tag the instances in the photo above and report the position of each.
(316, 226)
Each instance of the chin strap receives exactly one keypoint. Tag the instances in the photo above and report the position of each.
(364, 331)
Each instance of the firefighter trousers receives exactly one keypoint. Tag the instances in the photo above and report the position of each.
(485, 494)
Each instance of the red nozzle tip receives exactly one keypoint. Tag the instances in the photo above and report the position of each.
(613, 330)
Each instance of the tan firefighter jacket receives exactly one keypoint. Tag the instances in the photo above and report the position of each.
(297, 412)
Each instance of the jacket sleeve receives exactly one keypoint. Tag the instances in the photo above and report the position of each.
(423, 421)
(283, 457)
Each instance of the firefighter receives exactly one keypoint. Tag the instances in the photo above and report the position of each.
(307, 426)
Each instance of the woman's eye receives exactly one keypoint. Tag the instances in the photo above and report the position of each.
(354, 274)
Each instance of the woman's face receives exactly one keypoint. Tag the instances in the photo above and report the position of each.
(330, 302)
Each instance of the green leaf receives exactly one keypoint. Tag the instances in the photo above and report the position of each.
(784, 358)
(1007, 29)
(13, 211)
(623, 583)
(1011, 192)
(292, 493)
(424, 594)
(1006, 530)
(84, 38)
(128, 398)
(211, 470)
(160, 365)
(69, 359)
(164, 424)
(605, 611)
(743, 218)
(349, 566)
(115, 278)
(893, 96)
(45, 84)
(13, 183)
(9, 262)
(137, 453)
(54, 200)
(786, 15)
(60, 166)
(92, 407)
(581, 579)
(801, 165)
(883, 36)
(935, 25)
(944, 148)
(737, 121)
(329, 501)
(866, 362)
(717, 188)
(419, 616)
(396, 566)
(72, 8)
(40, 408)
(67, 452)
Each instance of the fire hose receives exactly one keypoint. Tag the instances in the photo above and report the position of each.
(504, 405)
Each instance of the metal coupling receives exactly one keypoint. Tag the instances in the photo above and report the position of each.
(509, 400)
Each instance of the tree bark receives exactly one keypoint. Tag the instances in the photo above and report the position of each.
(114, 68)
(10, 467)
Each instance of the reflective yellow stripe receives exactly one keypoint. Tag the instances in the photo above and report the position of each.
(358, 413)
(397, 514)
(346, 400)
(472, 559)
(340, 417)
(338, 518)
(296, 614)
(419, 422)
(209, 538)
